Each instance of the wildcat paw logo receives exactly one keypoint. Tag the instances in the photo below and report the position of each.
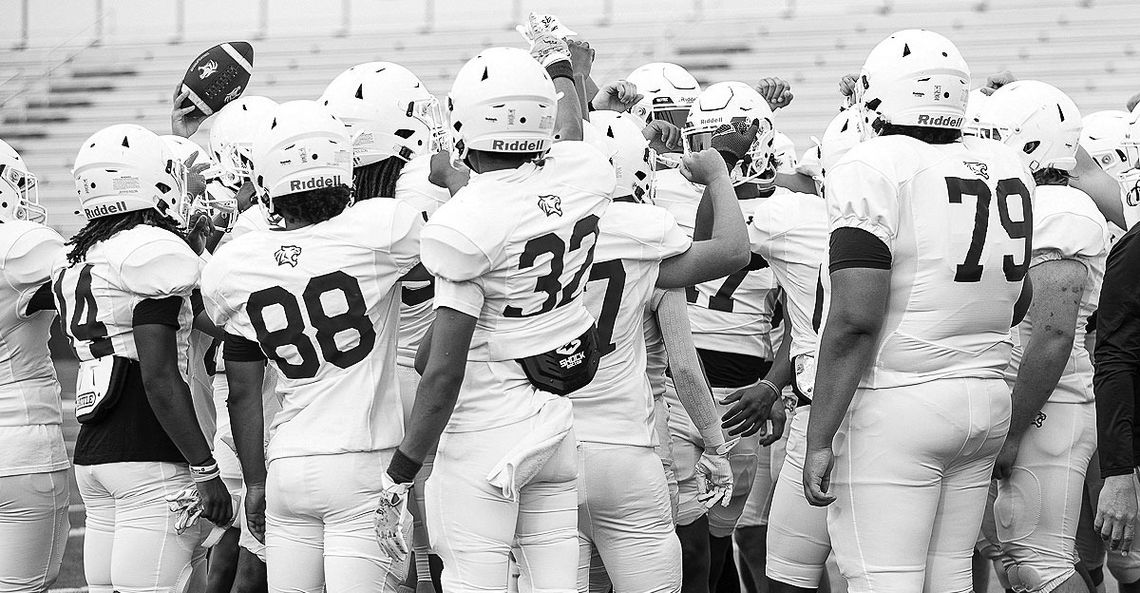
(288, 254)
(207, 70)
(980, 169)
(550, 205)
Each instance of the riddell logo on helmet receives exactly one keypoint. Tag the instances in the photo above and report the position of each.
(516, 146)
(314, 183)
(941, 121)
(105, 210)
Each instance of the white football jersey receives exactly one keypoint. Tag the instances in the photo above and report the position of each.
(656, 357)
(252, 219)
(679, 196)
(617, 406)
(97, 297)
(322, 302)
(734, 314)
(416, 315)
(1067, 225)
(31, 437)
(789, 230)
(957, 220)
(512, 249)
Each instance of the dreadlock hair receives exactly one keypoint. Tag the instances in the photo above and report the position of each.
(377, 180)
(314, 205)
(927, 135)
(105, 227)
(1052, 176)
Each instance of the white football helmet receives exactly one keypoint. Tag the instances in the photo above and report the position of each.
(668, 91)
(841, 135)
(19, 194)
(1103, 134)
(734, 104)
(1036, 119)
(784, 150)
(125, 167)
(387, 110)
(973, 107)
(913, 78)
(1132, 139)
(302, 147)
(502, 100)
(231, 138)
(633, 159)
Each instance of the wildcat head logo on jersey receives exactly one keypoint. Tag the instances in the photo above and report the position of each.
(980, 169)
(550, 205)
(288, 254)
(207, 70)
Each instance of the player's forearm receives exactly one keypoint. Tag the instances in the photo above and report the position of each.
(685, 366)
(435, 400)
(245, 407)
(568, 122)
(781, 373)
(797, 182)
(723, 253)
(169, 397)
(1041, 367)
(845, 353)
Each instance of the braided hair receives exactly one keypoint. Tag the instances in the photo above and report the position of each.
(313, 206)
(105, 227)
(377, 180)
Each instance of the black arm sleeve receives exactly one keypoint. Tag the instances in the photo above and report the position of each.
(196, 304)
(42, 300)
(162, 311)
(239, 349)
(1117, 356)
(856, 248)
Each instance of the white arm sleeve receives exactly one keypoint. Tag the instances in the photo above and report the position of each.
(688, 376)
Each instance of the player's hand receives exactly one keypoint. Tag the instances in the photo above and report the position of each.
(663, 136)
(817, 476)
(751, 408)
(538, 24)
(581, 57)
(548, 49)
(181, 122)
(847, 86)
(996, 81)
(217, 505)
(1006, 458)
(714, 476)
(703, 167)
(620, 96)
(444, 174)
(255, 510)
(776, 91)
(1116, 513)
(195, 180)
(779, 419)
(391, 518)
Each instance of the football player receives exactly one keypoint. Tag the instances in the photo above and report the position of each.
(510, 253)
(231, 144)
(639, 246)
(789, 230)
(318, 299)
(1052, 434)
(912, 411)
(396, 127)
(122, 292)
(730, 319)
(666, 90)
(34, 492)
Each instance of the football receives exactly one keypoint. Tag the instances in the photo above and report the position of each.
(217, 76)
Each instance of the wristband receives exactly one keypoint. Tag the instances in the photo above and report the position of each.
(561, 69)
(771, 386)
(402, 469)
(206, 472)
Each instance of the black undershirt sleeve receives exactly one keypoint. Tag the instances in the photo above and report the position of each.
(240, 349)
(196, 304)
(1117, 355)
(162, 311)
(42, 300)
(851, 247)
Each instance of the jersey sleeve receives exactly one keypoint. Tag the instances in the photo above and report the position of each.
(466, 297)
(1066, 236)
(448, 249)
(404, 244)
(673, 239)
(860, 195)
(160, 268)
(219, 297)
(29, 261)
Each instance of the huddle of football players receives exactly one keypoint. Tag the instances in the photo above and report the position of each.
(554, 336)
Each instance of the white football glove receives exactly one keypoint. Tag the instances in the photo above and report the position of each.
(539, 24)
(547, 49)
(187, 505)
(391, 519)
(714, 476)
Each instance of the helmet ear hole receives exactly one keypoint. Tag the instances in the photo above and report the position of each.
(1031, 146)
